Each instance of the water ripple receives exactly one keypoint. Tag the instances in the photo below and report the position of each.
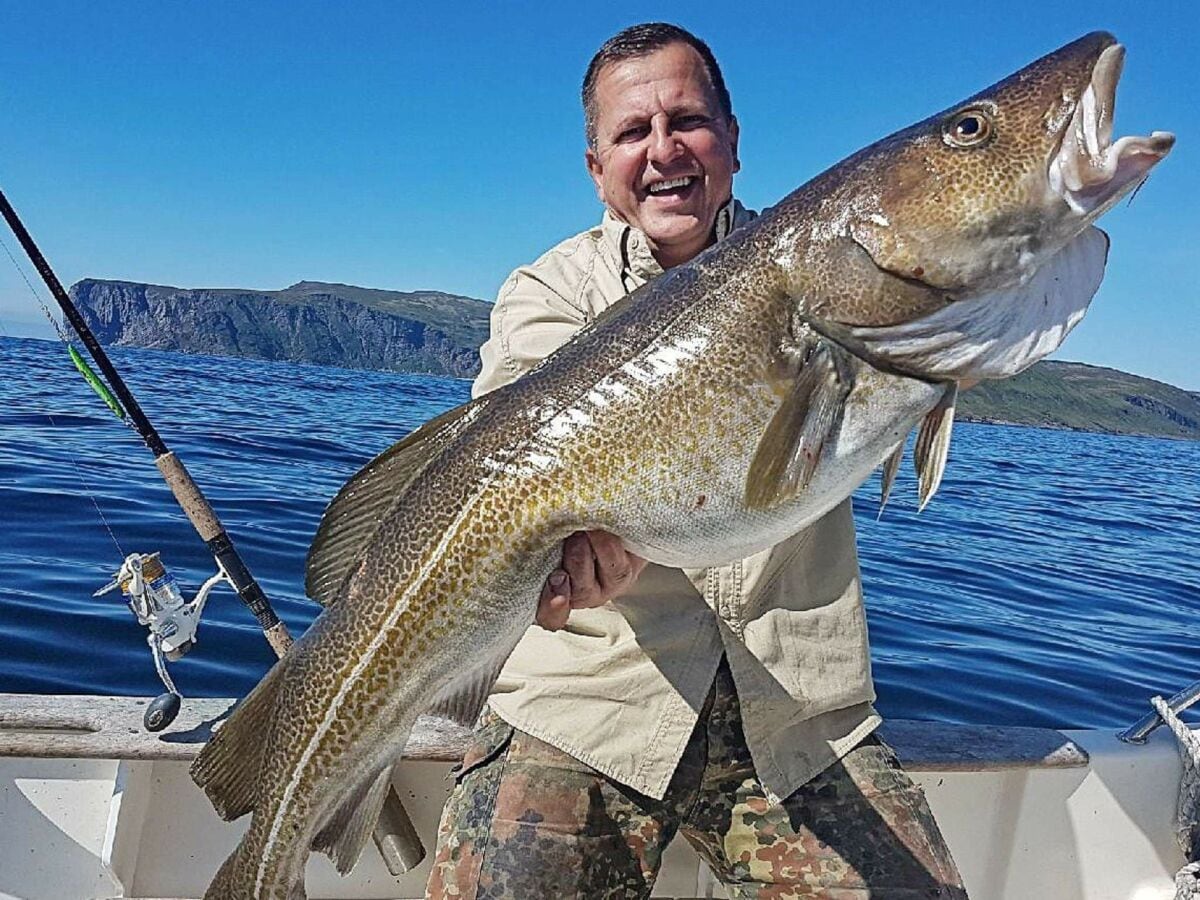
(1053, 581)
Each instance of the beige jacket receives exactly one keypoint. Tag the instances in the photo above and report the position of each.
(621, 686)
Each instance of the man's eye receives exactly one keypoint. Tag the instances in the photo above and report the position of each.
(685, 123)
(634, 133)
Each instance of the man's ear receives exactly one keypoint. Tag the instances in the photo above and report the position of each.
(596, 169)
(733, 142)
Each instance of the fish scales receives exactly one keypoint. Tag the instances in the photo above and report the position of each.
(709, 415)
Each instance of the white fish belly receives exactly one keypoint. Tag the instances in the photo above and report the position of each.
(695, 514)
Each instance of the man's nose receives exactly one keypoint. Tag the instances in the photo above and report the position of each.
(664, 146)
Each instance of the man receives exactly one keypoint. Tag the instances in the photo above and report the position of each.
(731, 704)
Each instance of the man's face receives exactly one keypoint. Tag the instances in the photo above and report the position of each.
(665, 154)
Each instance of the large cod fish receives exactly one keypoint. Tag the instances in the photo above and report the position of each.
(707, 416)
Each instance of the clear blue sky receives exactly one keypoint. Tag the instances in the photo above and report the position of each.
(438, 146)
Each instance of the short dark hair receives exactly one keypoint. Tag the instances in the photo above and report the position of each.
(642, 40)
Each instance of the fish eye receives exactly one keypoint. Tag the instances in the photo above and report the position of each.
(968, 128)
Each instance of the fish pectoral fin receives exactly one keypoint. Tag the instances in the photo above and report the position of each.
(346, 833)
(354, 515)
(790, 448)
(228, 766)
(890, 469)
(933, 444)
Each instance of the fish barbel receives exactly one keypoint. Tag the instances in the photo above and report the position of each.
(709, 415)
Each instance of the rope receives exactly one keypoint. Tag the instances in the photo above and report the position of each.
(1187, 879)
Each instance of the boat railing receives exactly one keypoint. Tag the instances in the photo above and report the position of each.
(86, 727)
(1140, 730)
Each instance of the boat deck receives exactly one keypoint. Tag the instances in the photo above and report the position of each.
(94, 806)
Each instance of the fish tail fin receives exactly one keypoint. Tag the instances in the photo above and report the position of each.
(228, 767)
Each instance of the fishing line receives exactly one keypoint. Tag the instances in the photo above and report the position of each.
(62, 336)
(87, 488)
(1136, 190)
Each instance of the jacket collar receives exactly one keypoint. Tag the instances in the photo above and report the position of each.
(632, 251)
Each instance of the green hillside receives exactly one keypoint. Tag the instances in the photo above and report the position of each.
(1085, 398)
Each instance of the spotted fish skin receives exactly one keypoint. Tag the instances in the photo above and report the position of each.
(707, 416)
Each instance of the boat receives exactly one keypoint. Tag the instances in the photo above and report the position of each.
(94, 806)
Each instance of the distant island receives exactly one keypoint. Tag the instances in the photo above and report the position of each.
(438, 333)
(309, 322)
(1081, 397)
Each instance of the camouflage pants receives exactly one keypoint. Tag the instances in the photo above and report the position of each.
(528, 822)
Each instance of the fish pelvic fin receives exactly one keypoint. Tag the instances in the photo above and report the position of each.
(345, 835)
(355, 513)
(932, 448)
(790, 448)
(890, 469)
(228, 767)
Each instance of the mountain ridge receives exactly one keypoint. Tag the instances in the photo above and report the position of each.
(434, 332)
(323, 323)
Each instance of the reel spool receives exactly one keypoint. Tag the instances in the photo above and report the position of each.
(154, 598)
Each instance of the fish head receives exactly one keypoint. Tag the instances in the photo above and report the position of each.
(977, 197)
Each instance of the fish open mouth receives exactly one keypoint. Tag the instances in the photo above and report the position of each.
(1089, 171)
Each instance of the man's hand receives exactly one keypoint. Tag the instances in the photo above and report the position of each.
(596, 568)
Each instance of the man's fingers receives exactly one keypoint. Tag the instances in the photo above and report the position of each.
(596, 568)
(554, 606)
(579, 562)
(612, 562)
(616, 568)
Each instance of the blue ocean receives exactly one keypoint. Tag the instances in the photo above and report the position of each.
(1055, 580)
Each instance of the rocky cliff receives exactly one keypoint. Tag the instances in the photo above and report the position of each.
(429, 331)
(312, 322)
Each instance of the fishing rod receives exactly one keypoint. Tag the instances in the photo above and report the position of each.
(153, 595)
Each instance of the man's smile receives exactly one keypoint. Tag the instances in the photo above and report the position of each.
(679, 188)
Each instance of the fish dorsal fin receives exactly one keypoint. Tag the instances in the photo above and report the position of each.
(790, 448)
(345, 834)
(354, 515)
(890, 468)
(228, 766)
(933, 444)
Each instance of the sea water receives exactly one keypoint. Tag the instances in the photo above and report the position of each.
(1054, 580)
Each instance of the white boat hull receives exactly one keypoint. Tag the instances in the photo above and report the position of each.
(1023, 824)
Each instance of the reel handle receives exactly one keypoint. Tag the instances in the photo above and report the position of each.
(162, 711)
